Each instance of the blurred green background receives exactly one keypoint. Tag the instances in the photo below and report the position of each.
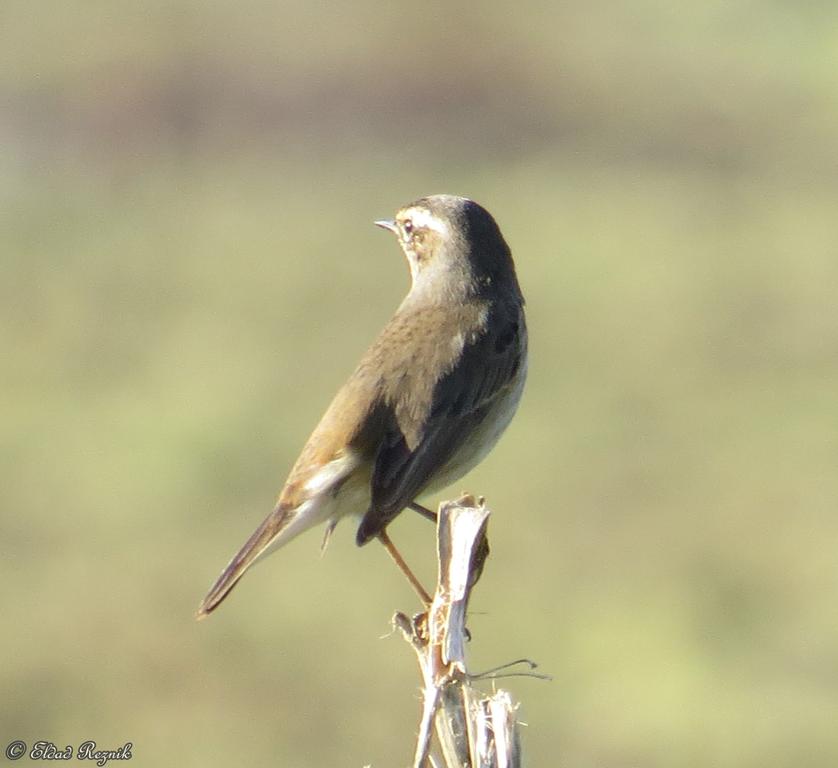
(189, 271)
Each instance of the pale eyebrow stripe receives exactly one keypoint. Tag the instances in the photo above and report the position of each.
(424, 218)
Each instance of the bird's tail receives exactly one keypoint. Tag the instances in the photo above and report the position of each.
(278, 528)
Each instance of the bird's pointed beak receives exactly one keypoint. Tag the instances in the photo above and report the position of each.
(387, 224)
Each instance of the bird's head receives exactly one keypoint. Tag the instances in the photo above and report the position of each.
(453, 246)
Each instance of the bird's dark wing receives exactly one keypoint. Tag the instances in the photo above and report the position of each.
(462, 398)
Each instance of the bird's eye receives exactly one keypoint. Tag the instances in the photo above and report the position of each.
(407, 226)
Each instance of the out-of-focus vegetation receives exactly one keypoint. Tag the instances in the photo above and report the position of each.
(189, 271)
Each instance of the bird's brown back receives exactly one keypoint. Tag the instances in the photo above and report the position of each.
(391, 387)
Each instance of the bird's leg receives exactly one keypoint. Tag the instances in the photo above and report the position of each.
(403, 567)
(424, 511)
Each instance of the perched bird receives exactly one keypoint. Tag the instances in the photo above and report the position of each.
(428, 400)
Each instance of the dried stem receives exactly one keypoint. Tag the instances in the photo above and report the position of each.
(473, 730)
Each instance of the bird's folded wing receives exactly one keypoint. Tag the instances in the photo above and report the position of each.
(462, 399)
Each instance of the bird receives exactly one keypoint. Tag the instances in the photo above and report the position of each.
(429, 398)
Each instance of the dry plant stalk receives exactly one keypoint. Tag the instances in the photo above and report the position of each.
(473, 730)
